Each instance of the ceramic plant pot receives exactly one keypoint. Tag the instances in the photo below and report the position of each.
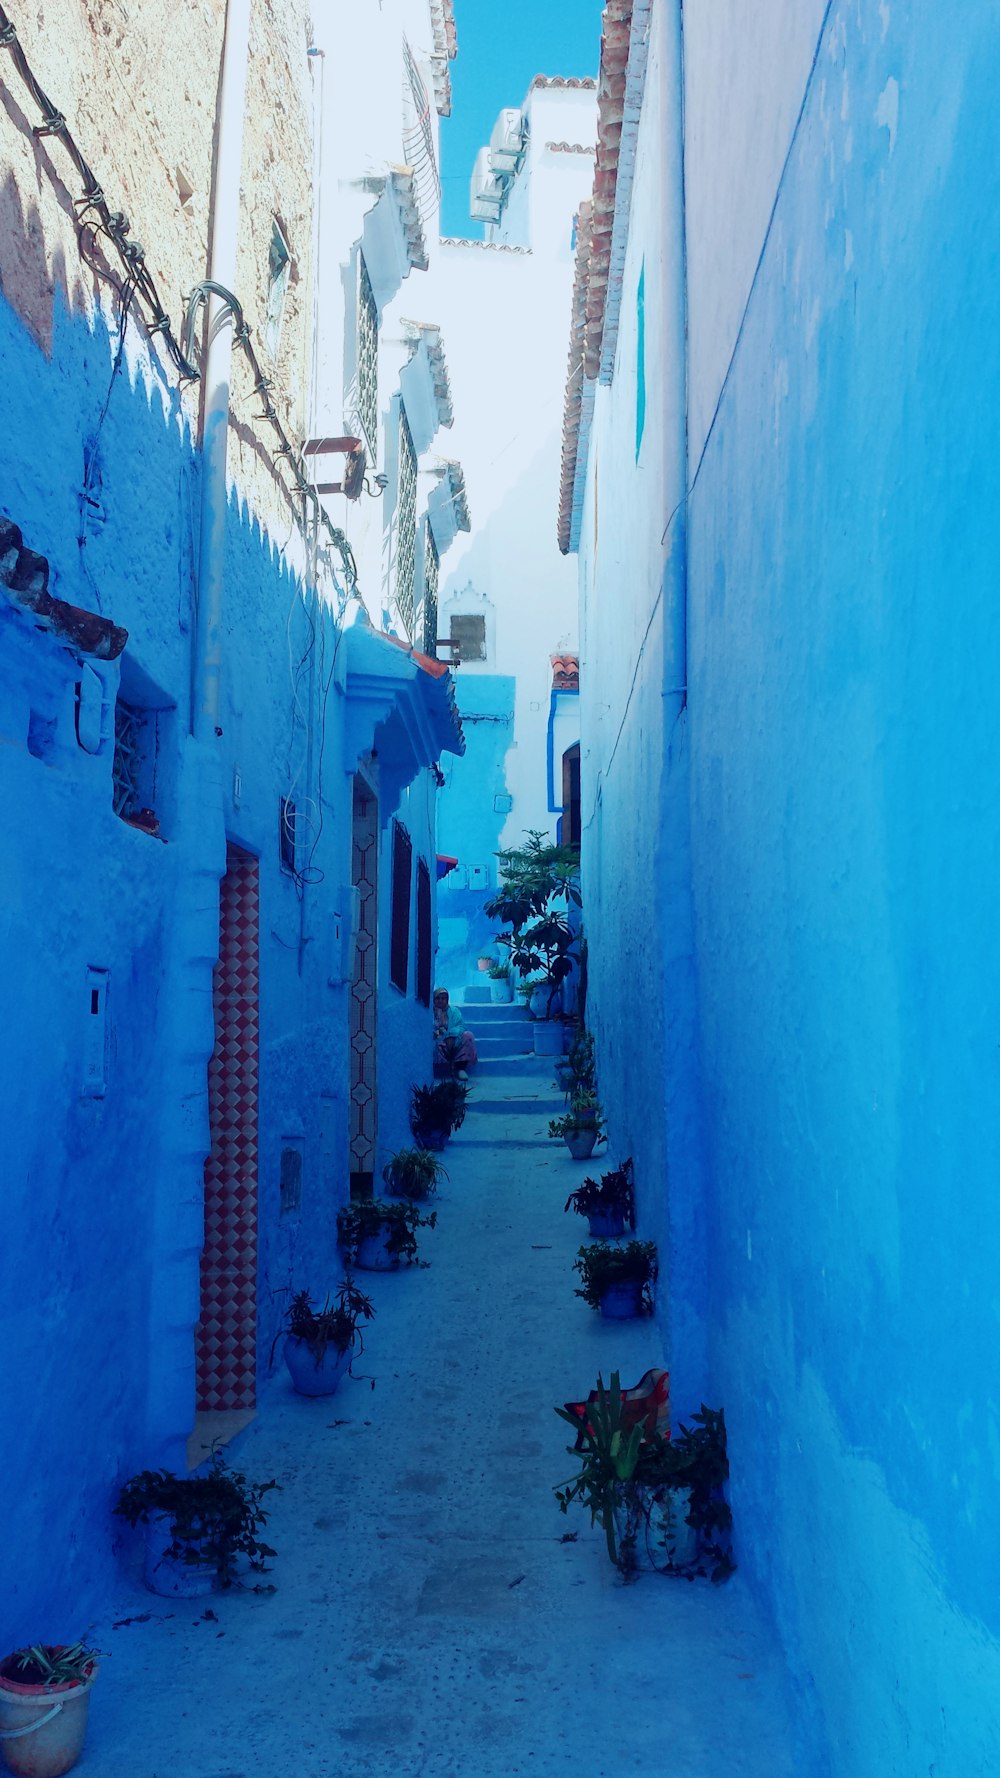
(374, 1256)
(581, 1143)
(42, 1728)
(308, 1378)
(174, 1577)
(501, 992)
(538, 1004)
(606, 1225)
(547, 1037)
(622, 1302)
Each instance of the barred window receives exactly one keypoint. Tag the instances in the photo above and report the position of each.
(432, 576)
(406, 523)
(128, 770)
(367, 358)
(399, 942)
(424, 934)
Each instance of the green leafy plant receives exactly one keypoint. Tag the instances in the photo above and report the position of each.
(413, 1172)
(584, 1114)
(613, 1195)
(583, 1063)
(532, 876)
(546, 948)
(623, 1474)
(499, 972)
(602, 1266)
(397, 1221)
(213, 1517)
(50, 1665)
(437, 1109)
(336, 1324)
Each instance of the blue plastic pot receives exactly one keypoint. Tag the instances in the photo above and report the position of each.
(607, 1225)
(307, 1377)
(622, 1302)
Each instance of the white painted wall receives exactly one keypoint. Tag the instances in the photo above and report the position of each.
(745, 71)
(504, 314)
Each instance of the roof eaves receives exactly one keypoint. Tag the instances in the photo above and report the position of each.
(24, 577)
(635, 81)
(615, 40)
(576, 381)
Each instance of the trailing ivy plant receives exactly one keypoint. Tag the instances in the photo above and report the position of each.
(397, 1221)
(214, 1518)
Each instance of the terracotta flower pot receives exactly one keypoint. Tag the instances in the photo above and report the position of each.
(42, 1727)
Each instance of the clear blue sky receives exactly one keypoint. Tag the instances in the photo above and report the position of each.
(501, 44)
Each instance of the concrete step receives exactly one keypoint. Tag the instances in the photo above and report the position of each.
(477, 996)
(504, 1046)
(537, 1068)
(504, 1012)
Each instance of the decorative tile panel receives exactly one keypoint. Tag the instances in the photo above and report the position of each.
(226, 1336)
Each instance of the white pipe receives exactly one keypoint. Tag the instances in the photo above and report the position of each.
(207, 666)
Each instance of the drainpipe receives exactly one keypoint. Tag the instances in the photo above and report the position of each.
(207, 663)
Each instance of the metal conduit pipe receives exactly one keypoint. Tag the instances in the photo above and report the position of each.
(207, 656)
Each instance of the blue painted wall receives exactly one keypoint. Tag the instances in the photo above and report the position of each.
(469, 825)
(844, 633)
(99, 1287)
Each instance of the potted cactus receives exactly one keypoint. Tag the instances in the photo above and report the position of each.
(608, 1205)
(321, 1344)
(377, 1235)
(44, 1702)
(617, 1281)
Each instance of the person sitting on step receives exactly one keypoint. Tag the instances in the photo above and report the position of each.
(454, 1046)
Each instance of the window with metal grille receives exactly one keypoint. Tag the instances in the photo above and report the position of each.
(367, 358)
(424, 954)
(468, 638)
(127, 769)
(406, 523)
(432, 576)
(399, 944)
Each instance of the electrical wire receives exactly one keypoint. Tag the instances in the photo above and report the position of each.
(723, 386)
(94, 215)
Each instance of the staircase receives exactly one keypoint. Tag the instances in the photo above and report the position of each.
(503, 1033)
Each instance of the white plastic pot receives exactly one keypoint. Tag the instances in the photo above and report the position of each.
(651, 1528)
(374, 1256)
(310, 1378)
(42, 1728)
(171, 1576)
(547, 1037)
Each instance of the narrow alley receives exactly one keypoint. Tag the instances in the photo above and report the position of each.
(430, 1618)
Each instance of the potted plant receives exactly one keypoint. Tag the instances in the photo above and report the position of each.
(581, 1127)
(483, 964)
(501, 990)
(198, 1528)
(44, 1702)
(321, 1344)
(413, 1173)
(608, 1205)
(378, 1236)
(618, 1281)
(582, 1060)
(659, 1500)
(534, 878)
(437, 1110)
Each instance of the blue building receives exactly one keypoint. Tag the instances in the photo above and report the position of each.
(780, 479)
(219, 762)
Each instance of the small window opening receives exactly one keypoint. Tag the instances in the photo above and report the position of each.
(134, 767)
(468, 637)
(290, 1183)
(279, 271)
(286, 833)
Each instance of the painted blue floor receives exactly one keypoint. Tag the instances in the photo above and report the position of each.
(428, 1620)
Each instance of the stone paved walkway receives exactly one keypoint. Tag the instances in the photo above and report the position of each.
(428, 1620)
